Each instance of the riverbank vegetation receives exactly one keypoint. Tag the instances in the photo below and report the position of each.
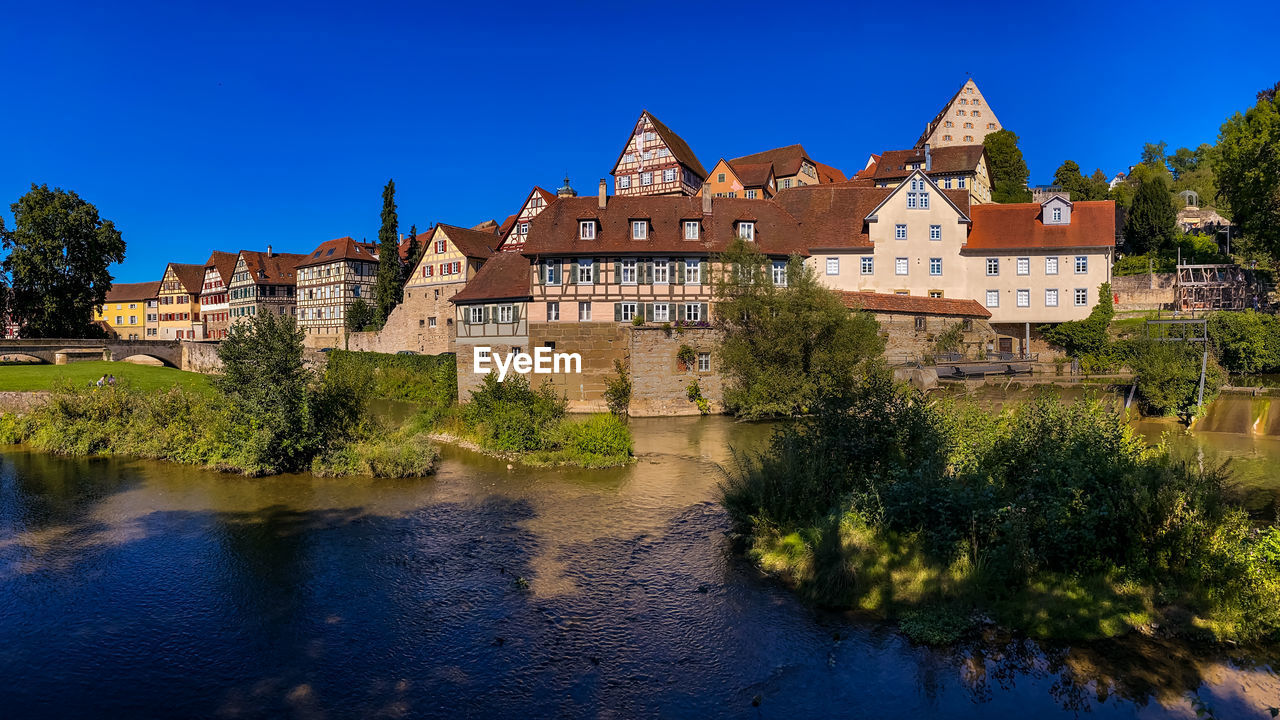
(429, 380)
(1050, 518)
(783, 346)
(266, 414)
(27, 377)
(512, 419)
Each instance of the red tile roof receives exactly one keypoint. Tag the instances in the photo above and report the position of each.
(471, 243)
(191, 276)
(1021, 225)
(833, 216)
(913, 304)
(555, 231)
(828, 174)
(124, 292)
(896, 164)
(224, 262)
(274, 269)
(753, 175)
(505, 276)
(786, 162)
(343, 248)
(680, 149)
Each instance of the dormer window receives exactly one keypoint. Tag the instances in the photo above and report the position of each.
(639, 229)
(747, 230)
(690, 229)
(587, 229)
(1057, 214)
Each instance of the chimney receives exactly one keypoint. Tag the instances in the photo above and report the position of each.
(928, 158)
(706, 199)
(603, 190)
(269, 253)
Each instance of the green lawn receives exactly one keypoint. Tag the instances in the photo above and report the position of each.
(143, 377)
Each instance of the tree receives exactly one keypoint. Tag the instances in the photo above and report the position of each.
(1151, 221)
(1153, 153)
(1248, 172)
(1008, 169)
(1100, 185)
(360, 314)
(387, 290)
(783, 347)
(411, 256)
(59, 254)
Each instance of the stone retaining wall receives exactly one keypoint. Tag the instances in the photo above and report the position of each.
(21, 402)
(1144, 292)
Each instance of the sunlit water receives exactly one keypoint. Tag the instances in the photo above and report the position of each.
(139, 589)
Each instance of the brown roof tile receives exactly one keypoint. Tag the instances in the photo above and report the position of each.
(342, 248)
(555, 230)
(680, 149)
(1020, 225)
(191, 276)
(274, 269)
(471, 243)
(224, 262)
(124, 292)
(913, 304)
(828, 174)
(505, 276)
(753, 175)
(951, 159)
(833, 216)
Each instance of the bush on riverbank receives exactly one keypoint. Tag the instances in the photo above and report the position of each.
(430, 380)
(1052, 518)
(1168, 377)
(1246, 343)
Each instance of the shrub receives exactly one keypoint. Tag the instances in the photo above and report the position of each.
(694, 393)
(1245, 342)
(686, 356)
(601, 440)
(1081, 338)
(510, 416)
(617, 390)
(1168, 377)
(394, 457)
(431, 380)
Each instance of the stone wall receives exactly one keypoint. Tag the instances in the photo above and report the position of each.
(21, 402)
(201, 357)
(1144, 292)
(599, 344)
(659, 383)
(905, 342)
(409, 325)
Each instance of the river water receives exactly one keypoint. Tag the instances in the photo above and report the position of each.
(141, 589)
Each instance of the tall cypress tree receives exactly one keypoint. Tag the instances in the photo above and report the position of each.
(1152, 219)
(387, 291)
(1007, 168)
(410, 257)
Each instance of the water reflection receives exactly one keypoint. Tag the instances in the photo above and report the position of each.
(140, 589)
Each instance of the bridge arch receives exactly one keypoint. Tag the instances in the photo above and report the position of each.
(144, 359)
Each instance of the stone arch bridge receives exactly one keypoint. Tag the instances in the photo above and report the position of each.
(60, 351)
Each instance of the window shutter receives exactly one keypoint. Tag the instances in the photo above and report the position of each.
(703, 315)
(617, 312)
(679, 272)
(617, 271)
(678, 309)
(671, 270)
(573, 273)
(515, 313)
(488, 314)
(595, 271)
(648, 271)
(648, 311)
(538, 269)
(703, 277)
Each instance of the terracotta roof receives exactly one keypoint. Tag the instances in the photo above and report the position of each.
(913, 304)
(490, 226)
(472, 243)
(340, 249)
(1021, 225)
(785, 160)
(505, 276)
(951, 159)
(833, 216)
(124, 292)
(555, 231)
(929, 128)
(275, 269)
(191, 276)
(680, 149)
(828, 174)
(753, 175)
(224, 262)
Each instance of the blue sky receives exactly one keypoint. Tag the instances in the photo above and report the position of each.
(233, 125)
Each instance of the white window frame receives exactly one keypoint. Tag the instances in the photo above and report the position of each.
(646, 178)
(475, 315)
(1082, 264)
(935, 263)
(627, 276)
(993, 298)
(661, 271)
(901, 266)
(624, 182)
(587, 230)
(704, 362)
(693, 312)
(1022, 297)
(669, 175)
(661, 312)
(553, 311)
(867, 266)
(900, 231)
(627, 311)
(506, 313)
(552, 273)
(693, 271)
(1057, 214)
(691, 229)
(584, 312)
(780, 273)
(935, 232)
(833, 266)
(1051, 297)
(1051, 265)
(586, 272)
(747, 231)
(993, 267)
(639, 229)
(1024, 266)
(1082, 297)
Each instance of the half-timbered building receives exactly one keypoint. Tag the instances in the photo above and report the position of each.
(329, 279)
(213, 294)
(656, 161)
(179, 302)
(263, 282)
(515, 230)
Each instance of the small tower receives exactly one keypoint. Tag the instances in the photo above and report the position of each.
(566, 190)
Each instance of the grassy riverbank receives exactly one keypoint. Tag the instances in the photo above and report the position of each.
(22, 377)
(1051, 519)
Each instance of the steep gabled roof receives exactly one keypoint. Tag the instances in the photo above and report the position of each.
(785, 160)
(224, 263)
(680, 149)
(127, 292)
(753, 175)
(1016, 226)
(556, 230)
(471, 243)
(273, 269)
(948, 159)
(958, 199)
(343, 248)
(932, 124)
(828, 174)
(505, 276)
(913, 304)
(191, 276)
(833, 216)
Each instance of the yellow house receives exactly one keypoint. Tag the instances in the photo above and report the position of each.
(179, 298)
(743, 180)
(125, 309)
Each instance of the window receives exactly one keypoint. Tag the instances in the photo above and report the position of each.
(669, 175)
(441, 246)
(751, 194)
(993, 266)
(646, 178)
(969, 124)
(584, 312)
(639, 229)
(628, 274)
(626, 311)
(624, 182)
(661, 271)
(780, 273)
(1024, 298)
(991, 126)
(553, 272)
(133, 319)
(868, 265)
(747, 230)
(946, 183)
(1082, 264)
(692, 271)
(968, 138)
(524, 228)
(661, 312)
(935, 266)
(720, 177)
(786, 183)
(900, 231)
(1024, 266)
(586, 272)
(1057, 214)
(920, 323)
(704, 362)
(935, 232)
(1051, 266)
(976, 113)
(935, 293)
(946, 137)
(475, 315)
(587, 229)
(993, 298)
(833, 266)
(900, 266)
(690, 229)
(506, 313)
(1051, 297)
(1082, 297)
(960, 183)
(692, 312)
(431, 322)
(949, 124)
(553, 311)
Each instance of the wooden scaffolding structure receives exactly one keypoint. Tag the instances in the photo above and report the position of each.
(1212, 287)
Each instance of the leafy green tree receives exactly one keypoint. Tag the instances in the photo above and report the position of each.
(1246, 342)
(1248, 172)
(360, 315)
(1168, 377)
(1154, 153)
(783, 346)
(1080, 338)
(59, 254)
(1069, 178)
(1007, 167)
(387, 289)
(1151, 223)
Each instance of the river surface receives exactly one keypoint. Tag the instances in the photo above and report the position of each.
(136, 589)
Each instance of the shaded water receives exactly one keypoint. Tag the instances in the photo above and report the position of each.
(138, 589)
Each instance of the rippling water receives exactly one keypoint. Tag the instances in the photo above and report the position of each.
(138, 589)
